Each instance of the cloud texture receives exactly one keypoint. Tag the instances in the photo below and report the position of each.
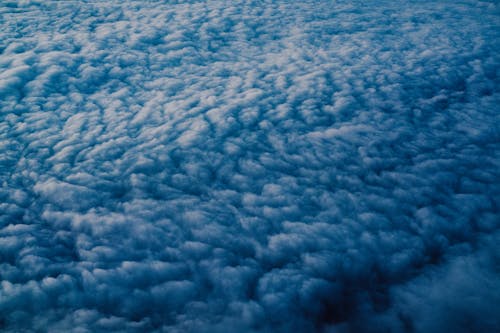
(249, 166)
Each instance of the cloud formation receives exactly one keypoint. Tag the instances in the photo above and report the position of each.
(248, 166)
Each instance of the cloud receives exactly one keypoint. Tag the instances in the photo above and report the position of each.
(257, 167)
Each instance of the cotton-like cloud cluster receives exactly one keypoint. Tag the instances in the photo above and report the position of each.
(249, 166)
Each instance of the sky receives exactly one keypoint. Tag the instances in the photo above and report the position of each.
(250, 166)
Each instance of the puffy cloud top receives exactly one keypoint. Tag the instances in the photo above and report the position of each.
(249, 166)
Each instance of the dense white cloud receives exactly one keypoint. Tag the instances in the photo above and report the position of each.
(276, 166)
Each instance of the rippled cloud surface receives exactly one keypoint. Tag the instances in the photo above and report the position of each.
(249, 166)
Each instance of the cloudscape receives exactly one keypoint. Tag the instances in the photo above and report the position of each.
(250, 166)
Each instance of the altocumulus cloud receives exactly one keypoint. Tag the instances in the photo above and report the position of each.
(249, 166)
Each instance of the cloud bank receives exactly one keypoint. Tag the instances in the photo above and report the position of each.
(249, 166)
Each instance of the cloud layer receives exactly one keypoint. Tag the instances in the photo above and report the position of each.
(249, 166)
